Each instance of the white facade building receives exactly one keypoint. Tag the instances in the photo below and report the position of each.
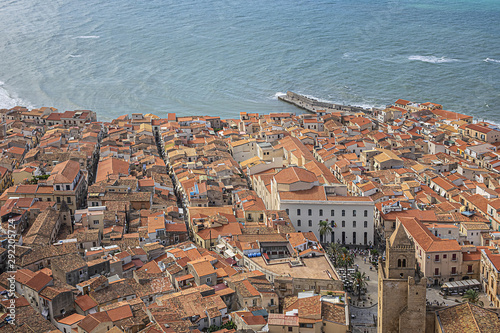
(351, 220)
(298, 192)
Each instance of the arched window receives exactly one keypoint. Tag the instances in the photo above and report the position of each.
(399, 262)
(404, 262)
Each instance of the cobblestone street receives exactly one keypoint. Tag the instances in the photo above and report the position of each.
(370, 297)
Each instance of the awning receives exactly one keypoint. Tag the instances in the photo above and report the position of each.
(229, 253)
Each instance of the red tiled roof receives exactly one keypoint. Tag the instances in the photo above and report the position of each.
(93, 320)
(85, 302)
(39, 281)
(295, 174)
(120, 313)
(425, 238)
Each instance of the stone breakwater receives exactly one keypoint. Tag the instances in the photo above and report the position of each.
(314, 106)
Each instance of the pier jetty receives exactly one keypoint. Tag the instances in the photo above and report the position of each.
(315, 106)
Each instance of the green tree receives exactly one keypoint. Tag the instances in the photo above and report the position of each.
(472, 296)
(324, 230)
(345, 259)
(334, 251)
(359, 282)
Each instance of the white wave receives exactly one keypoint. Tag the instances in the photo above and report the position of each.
(86, 37)
(432, 59)
(2, 83)
(491, 60)
(9, 100)
(278, 94)
(74, 55)
(320, 99)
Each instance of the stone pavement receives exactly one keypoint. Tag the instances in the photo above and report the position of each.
(364, 313)
(371, 283)
(433, 296)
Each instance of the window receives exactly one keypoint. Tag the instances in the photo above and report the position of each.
(321, 212)
(469, 268)
(343, 212)
(453, 271)
(96, 222)
(332, 224)
(332, 212)
(366, 213)
(290, 328)
(68, 199)
(58, 188)
(399, 262)
(365, 224)
(287, 211)
(58, 199)
(454, 257)
(436, 258)
(354, 212)
(445, 256)
(436, 272)
(298, 212)
(309, 212)
(299, 222)
(67, 187)
(354, 224)
(343, 224)
(310, 223)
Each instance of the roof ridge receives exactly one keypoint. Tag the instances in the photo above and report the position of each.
(473, 317)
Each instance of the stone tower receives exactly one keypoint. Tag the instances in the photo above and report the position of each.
(401, 293)
(400, 255)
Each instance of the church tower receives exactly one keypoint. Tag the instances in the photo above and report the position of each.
(400, 255)
(401, 292)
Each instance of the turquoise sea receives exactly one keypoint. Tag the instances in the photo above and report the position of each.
(223, 57)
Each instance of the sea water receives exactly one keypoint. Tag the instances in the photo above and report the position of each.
(223, 57)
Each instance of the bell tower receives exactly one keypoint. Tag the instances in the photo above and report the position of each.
(401, 292)
(400, 255)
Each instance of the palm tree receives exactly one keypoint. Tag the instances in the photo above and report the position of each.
(359, 282)
(345, 259)
(472, 296)
(324, 229)
(334, 251)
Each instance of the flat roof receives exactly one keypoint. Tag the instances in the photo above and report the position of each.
(314, 268)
